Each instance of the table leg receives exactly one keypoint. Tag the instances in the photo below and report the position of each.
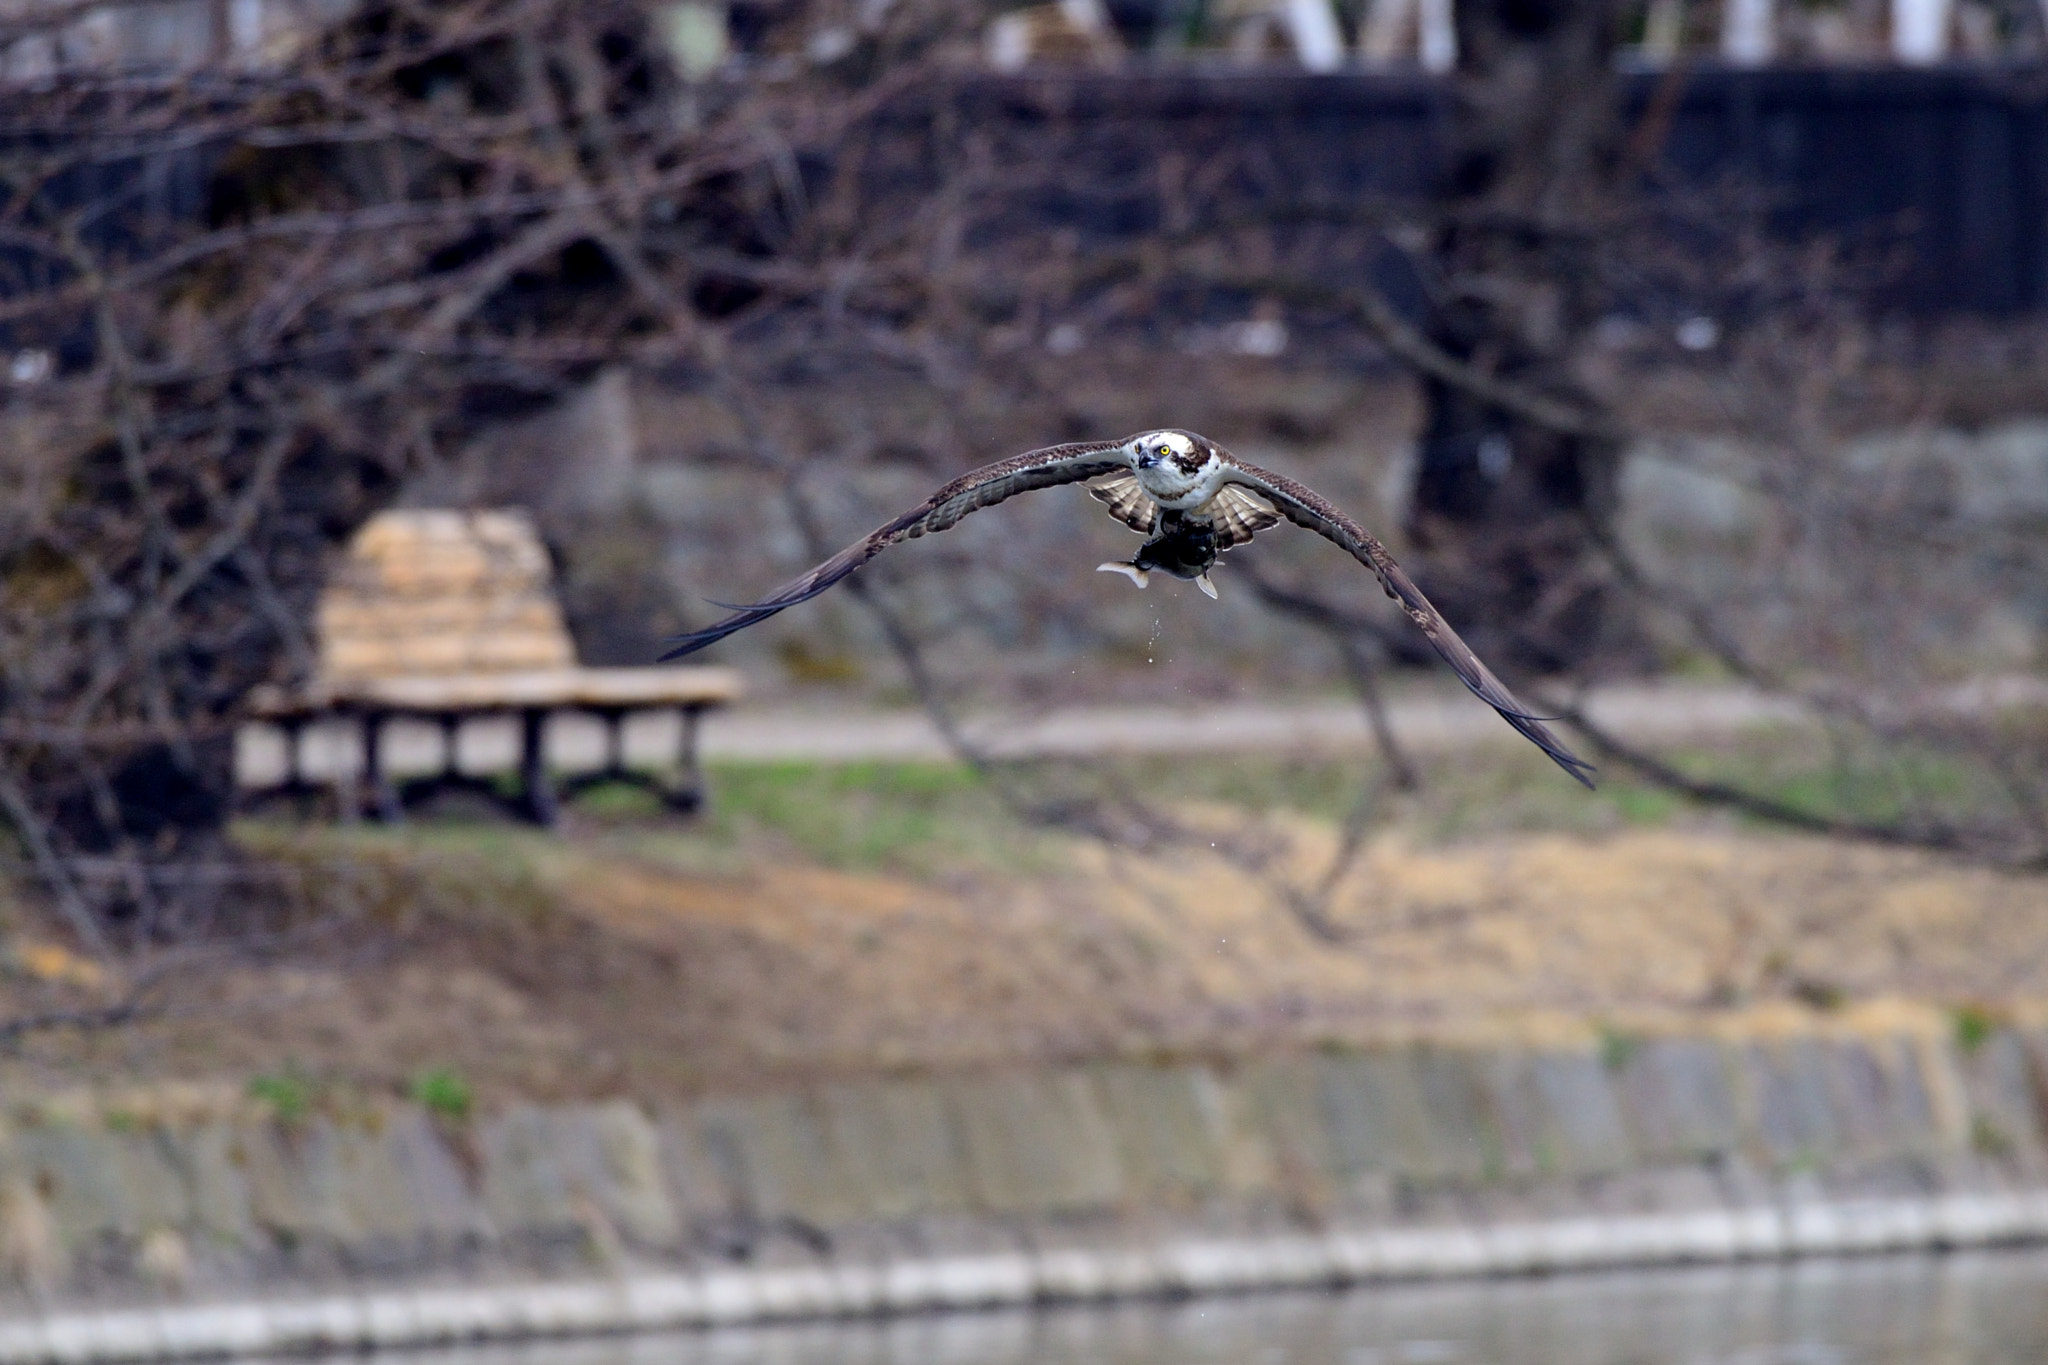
(384, 802)
(294, 766)
(451, 743)
(296, 784)
(539, 790)
(690, 795)
(614, 741)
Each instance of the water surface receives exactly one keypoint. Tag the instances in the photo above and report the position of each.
(1971, 1309)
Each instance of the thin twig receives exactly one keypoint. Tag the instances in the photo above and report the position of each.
(1933, 837)
(13, 1030)
(28, 826)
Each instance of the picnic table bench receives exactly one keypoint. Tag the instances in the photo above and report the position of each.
(445, 616)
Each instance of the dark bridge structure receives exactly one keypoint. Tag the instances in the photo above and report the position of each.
(1949, 163)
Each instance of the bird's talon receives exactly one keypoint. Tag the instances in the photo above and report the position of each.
(1206, 586)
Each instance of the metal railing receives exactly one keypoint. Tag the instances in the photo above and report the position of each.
(1331, 35)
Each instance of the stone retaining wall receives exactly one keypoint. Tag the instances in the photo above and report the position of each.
(1081, 1180)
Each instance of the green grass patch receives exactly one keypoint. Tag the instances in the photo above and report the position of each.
(442, 1092)
(1617, 1046)
(392, 875)
(1466, 795)
(869, 815)
(289, 1094)
(1973, 1026)
(926, 818)
(618, 801)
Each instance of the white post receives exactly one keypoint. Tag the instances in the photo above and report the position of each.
(1384, 35)
(1664, 31)
(1749, 32)
(1920, 30)
(1312, 24)
(1089, 16)
(245, 28)
(1438, 41)
(696, 35)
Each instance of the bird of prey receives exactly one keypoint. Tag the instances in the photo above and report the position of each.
(1193, 500)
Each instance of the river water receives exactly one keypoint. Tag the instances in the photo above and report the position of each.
(1970, 1309)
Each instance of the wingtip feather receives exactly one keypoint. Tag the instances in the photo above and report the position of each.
(691, 641)
(684, 645)
(1553, 748)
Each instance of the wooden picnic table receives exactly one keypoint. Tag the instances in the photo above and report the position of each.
(448, 616)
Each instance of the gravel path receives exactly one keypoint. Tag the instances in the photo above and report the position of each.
(1431, 722)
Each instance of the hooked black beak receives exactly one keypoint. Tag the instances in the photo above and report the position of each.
(1147, 461)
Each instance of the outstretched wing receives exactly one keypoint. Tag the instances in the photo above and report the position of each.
(984, 487)
(1127, 502)
(1305, 507)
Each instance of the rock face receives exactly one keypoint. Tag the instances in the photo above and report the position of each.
(209, 1193)
(1961, 513)
(668, 482)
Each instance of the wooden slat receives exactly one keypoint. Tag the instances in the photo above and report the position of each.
(441, 592)
(505, 690)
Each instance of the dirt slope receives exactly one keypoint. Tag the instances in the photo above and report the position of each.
(591, 967)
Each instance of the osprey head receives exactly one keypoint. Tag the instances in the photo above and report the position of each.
(1177, 468)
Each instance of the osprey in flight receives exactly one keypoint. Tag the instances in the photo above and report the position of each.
(1193, 500)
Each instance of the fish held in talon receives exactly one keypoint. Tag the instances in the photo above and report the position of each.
(1194, 501)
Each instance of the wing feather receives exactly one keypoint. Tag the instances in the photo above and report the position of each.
(972, 491)
(1239, 514)
(1127, 502)
(1307, 508)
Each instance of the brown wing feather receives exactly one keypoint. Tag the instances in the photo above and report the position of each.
(1127, 502)
(1238, 515)
(1305, 507)
(979, 488)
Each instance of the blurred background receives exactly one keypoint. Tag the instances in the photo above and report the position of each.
(410, 368)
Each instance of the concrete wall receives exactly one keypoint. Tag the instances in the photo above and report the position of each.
(196, 1193)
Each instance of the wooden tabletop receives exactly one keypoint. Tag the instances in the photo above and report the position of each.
(508, 690)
